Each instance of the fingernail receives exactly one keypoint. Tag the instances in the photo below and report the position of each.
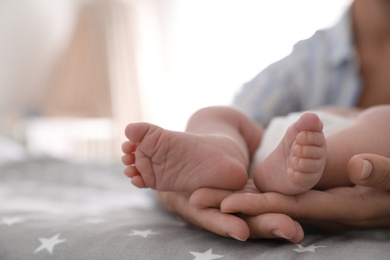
(278, 233)
(367, 168)
(236, 237)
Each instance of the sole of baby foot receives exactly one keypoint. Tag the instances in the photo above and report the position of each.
(297, 164)
(178, 161)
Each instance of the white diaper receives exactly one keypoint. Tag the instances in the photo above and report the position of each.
(278, 126)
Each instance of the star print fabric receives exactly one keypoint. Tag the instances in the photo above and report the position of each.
(51, 209)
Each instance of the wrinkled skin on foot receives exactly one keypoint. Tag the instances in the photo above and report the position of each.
(179, 161)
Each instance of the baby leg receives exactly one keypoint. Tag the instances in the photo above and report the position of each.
(297, 163)
(369, 133)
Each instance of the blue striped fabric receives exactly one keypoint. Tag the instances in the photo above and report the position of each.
(320, 71)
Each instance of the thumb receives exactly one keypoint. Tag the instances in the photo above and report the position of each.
(370, 170)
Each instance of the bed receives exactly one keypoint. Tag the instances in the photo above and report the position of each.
(56, 209)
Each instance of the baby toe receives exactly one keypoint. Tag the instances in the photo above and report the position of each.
(308, 151)
(128, 159)
(310, 138)
(128, 147)
(303, 180)
(306, 165)
(131, 171)
(138, 181)
(309, 122)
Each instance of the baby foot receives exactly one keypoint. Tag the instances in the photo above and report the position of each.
(179, 161)
(298, 162)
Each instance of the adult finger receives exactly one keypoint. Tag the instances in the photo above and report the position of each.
(272, 225)
(208, 197)
(370, 170)
(343, 205)
(211, 219)
(238, 227)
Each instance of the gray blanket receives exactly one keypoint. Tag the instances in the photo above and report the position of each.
(51, 209)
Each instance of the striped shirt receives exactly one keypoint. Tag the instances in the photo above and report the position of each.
(320, 71)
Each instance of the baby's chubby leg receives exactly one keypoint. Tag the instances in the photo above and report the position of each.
(297, 163)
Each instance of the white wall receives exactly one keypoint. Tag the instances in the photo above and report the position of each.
(31, 35)
(213, 46)
(192, 53)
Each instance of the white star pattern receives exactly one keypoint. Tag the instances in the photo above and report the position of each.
(208, 255)
(310, 248)
(11, 221)
(49, 243)
(142, 233)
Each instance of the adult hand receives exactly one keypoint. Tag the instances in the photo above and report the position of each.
(332, 210)
(268, 225)
(335, 209)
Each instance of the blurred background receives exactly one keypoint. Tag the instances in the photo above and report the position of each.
(74, 73)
